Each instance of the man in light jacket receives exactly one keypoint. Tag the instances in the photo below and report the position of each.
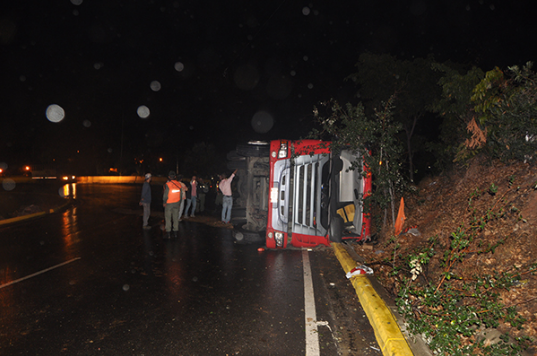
(227, 199)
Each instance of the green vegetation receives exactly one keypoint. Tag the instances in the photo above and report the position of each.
(491, 114)
(451, 309)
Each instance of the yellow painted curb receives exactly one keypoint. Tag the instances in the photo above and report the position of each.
(389, 336)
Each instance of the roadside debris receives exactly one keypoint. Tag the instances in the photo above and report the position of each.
(358, 270)
(412, 230)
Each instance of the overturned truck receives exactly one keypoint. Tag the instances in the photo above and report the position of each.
(298, 194)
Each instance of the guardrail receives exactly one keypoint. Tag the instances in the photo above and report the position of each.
(118, 180)
(90, 180)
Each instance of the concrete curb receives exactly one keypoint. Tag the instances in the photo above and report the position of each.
(33, 216)
(387, 332)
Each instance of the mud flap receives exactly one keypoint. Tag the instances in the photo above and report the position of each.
(336, 229)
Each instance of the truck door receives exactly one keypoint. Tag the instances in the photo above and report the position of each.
(348, 187)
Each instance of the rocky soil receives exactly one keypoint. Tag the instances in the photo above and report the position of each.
(500, 197)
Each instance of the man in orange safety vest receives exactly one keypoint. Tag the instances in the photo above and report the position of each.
(171, 201)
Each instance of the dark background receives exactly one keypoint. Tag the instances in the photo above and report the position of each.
(227, 71)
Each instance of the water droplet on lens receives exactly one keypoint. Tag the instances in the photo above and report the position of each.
(143, 112)
(8, 184)
(155, 85)
(55, 113)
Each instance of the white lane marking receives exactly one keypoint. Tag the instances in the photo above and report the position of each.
(38, 273)
(312, 336)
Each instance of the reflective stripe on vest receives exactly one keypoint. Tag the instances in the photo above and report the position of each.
(174, 192)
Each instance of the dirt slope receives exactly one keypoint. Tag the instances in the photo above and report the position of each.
(500, 198)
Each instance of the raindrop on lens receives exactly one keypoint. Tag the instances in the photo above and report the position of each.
(8, 184)
(262, 122)
(306, 10)
(155, 85)
(143, 112)
(55, 113)
(179, 66)
(76, 2)
(126, 287)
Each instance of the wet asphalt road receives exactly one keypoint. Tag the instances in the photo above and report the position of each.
(90, 281)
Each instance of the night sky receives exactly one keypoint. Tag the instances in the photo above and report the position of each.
(218, 72)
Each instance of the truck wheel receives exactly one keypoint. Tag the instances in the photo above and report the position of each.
(336, 229)
(253, 150)
(236, 165)
(238, 213)
(246, 236)
(233, 156)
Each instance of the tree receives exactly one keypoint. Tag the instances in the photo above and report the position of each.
(456, 109)
(349, 127)
(413, 85)
(507, 109)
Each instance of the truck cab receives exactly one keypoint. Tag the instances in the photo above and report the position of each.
(315, 196)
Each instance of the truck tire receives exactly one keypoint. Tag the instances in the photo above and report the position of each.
(243, 236)
(232, 165)
(253, 150)
(233, 156)
(238, 213)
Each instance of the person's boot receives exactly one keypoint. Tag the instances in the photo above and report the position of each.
(167, 236)
(175, 234)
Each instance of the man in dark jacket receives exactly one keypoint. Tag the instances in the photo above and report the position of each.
(145, 201)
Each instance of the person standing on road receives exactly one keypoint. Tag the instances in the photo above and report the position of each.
(145, 201)
(203, 190)
(227, 199)
(188, 197)
(193, 197)
(218, 199)
(171, 201)
(184, 189)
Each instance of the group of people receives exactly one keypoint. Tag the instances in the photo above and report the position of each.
(177, 194)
